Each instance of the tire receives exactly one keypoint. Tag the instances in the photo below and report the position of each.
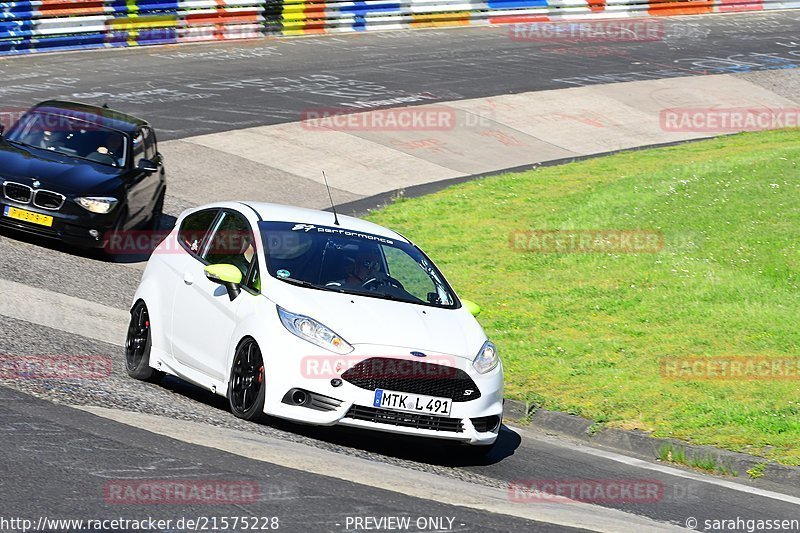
(246, 387)
(138, 344)
(119, 227)
(155, 219)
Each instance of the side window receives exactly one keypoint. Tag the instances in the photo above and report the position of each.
(138, 148)
(150, 148)
(195, 227)
(232, 243)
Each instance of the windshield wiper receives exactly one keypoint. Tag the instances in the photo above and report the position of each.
(309, 285)
(299, 282)
(18, 143)
(381, 295)
(343, 290)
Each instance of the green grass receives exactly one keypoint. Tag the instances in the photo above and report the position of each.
(757, 471)
(584, 332)
(705, 462)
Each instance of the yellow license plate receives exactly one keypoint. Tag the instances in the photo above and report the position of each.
(28, 216)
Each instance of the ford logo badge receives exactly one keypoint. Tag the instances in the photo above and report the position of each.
(418, 354)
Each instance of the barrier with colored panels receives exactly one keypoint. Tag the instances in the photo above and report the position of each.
(46, 25)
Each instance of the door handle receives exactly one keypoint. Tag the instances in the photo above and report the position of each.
(188, 279)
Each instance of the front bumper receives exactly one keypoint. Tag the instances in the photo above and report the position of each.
(69, 225)
(352, 405)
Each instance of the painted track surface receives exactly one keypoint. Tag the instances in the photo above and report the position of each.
(213, 88)
(523, 456)
(196, 89)
(106, 455)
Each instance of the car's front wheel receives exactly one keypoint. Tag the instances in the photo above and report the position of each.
(138, 344)
(158, 209)
(246, 388)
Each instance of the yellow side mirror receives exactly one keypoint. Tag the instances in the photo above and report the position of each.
(472, 307)
(227, 275)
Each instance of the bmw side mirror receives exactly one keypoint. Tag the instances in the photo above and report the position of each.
(227, 275)
(472, 307)
(147, 165)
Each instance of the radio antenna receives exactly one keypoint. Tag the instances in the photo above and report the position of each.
(333, 206)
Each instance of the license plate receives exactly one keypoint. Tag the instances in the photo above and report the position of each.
(412, 403)
(28, 216)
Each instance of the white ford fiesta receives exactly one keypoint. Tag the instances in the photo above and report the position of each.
(317, 319)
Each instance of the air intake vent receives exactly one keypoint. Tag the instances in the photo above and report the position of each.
(409, 420)
(413, 376)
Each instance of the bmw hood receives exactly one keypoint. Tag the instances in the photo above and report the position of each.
(64, 174)
(374, 321)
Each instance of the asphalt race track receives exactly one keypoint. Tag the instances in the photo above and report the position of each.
(38, 435)
(56, 460)
(206, 88)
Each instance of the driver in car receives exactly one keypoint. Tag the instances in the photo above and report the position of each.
(366, 265)
(110, 150)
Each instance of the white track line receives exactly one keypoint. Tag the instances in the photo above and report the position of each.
(664, 469)
(384, 476)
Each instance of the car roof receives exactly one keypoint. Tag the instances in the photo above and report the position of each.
(270, 212)
(101, 116)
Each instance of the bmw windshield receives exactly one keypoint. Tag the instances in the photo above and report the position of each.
(341, 260)
(70, 135)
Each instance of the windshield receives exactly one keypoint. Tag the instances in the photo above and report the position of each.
(341, 260)
(70, 136)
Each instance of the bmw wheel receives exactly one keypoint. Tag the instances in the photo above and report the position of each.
(138, 344)
(246, 386)
(155, 218)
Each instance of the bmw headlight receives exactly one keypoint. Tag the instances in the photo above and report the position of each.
(487, 358)
(97, 204)
(309, 329)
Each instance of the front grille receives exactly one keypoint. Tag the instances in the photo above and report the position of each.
(17, 192)
(48, 200)
(409, 420)
(415, 377)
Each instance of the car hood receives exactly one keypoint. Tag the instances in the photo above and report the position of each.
(62, 173)
(374, 321)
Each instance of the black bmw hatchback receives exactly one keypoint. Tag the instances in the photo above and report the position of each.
(75, 172)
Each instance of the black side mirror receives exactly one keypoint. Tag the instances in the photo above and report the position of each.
(147, 165)
(2, 130)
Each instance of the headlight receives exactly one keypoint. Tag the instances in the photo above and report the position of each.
(487, 358)
(309, 329)
(97, 204)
